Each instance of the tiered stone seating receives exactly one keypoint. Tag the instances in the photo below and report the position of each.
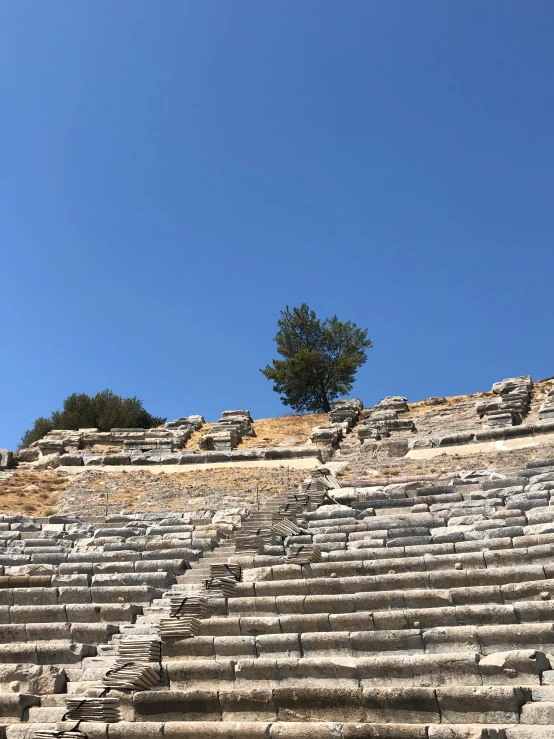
(419, 623)
(429, 614)
(67, 588)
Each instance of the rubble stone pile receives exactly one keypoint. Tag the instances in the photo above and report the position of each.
(343, 416)
(511, 404)
(384, 419)
(228, 431)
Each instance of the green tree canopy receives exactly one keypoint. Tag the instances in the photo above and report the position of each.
(320, 358)
(103, 411)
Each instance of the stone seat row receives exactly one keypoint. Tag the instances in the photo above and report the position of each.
(68, 595)
(80, 633)
(503, 556)
(294, 730)
(320, 635)
(391, 599)
(433, 670)
(291, 730)
(70, 613)
(171, 550)
(365, 703)
(412, 553)
(476, 573)
(167, 457)
(460, 704)
(522, 612)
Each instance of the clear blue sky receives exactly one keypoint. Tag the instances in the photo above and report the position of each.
(173, 174)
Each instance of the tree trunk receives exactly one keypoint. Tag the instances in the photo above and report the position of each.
(325, 402)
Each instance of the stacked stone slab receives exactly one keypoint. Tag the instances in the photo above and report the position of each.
(161, 455)
(511, 404)
(189, 424)
(346, 412)
(344, 415)
(384, 419)
(228, 432)
(546, 411)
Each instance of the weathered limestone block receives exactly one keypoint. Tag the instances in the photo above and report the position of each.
(393, 402)
(6, 459)
(113, 459)
(30, 678)
(466, 705)
(72, 459)
(327, 435)
(401, 705)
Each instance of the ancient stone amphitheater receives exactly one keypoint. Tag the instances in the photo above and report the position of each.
(404, 590)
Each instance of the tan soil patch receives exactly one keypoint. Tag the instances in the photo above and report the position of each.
(31, 493)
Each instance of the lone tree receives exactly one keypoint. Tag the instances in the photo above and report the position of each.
(320, 358)
(103, 411)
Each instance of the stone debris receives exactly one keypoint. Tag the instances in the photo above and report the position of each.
(346, 411)
(546, 411)
(131, 676)
(226, 570)
(320, 481)
(196, 607)
(434, 400)
(55, 734)
(303, 555)
(139, 651)
(286, 528)
(220, 586)
(104, 710)
(185, 627)
(393, 403)
(249, 544)
(327, 436)
(158, 446)
(343, 416)
(383, 419)
(228, 432)
(511, 405)
(187, 424)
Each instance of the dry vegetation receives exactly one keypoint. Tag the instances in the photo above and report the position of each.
(33, 493)
(217, 487)
(286, 430)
